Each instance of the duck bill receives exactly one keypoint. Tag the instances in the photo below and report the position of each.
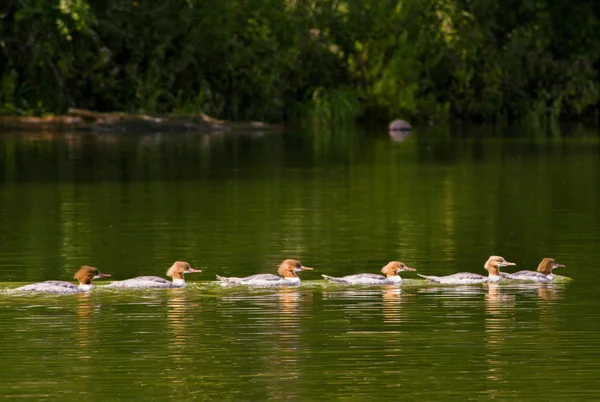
(306, 269)
(192, 270)
(507, 264)
(558, 266)
(408, 269)
(101, 276)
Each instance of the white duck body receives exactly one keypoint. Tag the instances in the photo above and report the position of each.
(492, 265)
(391, 270)
(85, 275)
(287, 271)
(177, 270)
(542, 275)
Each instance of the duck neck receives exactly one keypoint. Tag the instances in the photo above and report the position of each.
(493, 271)
(85, 286)
(179, 282)
(394, 278)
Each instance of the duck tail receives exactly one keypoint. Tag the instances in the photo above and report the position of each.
(228, 281)
(430, 278)
(333, 279)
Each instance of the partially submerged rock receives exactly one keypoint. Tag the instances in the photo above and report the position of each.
(399, 125)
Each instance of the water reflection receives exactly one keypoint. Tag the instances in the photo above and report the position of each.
(100, 156)
(399, 136)
(266, 327)
(284, 362)
(392, 299)
(181, 337)
(499, 320)
(501, 325)
(452, 291)
(84, 328)
(236, 203)
(288, 304)
(549, 294)
(177, 319)
(357, 300)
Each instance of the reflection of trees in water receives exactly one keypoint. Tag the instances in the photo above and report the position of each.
(99, 156)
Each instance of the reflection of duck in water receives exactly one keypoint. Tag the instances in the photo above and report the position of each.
(492, 265)
(549, 297)
(84, 276)
(392, 301)
(542, 275)
(391, 270)
(495, 298)
(546, 291)
(287, 271)
(391, 294)
(288, 300)
(84, 327)
(177, 270)
(498, 321)
(176, 320)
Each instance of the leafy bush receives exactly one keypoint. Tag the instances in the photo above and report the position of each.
(326, 61)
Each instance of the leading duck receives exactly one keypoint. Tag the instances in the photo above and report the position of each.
(177, 270)
(287, 271)
(542, 275)
(492, 265)
(84, 276)
(391, 270)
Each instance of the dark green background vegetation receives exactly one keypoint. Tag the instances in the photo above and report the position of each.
(281, 59)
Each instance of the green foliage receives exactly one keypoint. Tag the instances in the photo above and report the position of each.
(328, 61)
(337, 107)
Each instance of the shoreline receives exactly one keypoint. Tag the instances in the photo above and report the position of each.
(90, 121)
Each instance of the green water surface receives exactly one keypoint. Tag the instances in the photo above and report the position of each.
(440, 200)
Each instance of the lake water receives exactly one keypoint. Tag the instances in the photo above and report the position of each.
(440, 200)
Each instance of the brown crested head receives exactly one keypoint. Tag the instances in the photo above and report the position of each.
(87, 273)
(547, 265)
(394, 267)
(288, 268)
(494, 263)
(179, 268)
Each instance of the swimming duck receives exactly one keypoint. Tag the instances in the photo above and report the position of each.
(177, 270)
(391, 271)
(287, 271)
(492, 265)
(542, 275)
(84, 276)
